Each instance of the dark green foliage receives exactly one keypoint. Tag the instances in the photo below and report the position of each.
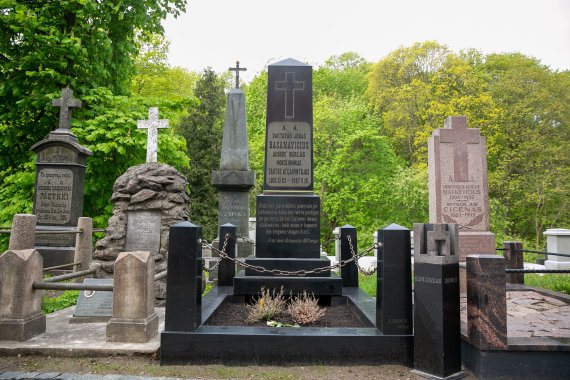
(67, 299)
(202, 128)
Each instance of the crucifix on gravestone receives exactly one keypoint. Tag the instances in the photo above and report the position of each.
(66, 104)
(457, 133)
(153, 124)
(438, 240)
(289, 85)
(237, 69)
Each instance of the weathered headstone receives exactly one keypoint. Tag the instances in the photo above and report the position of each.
(58, 191)
(234, 179)
(457, 165)
(21, 314)
(147, 200)
(437, 334)
(134, 319)
(93, 305)
(288, 212)
(153, 124)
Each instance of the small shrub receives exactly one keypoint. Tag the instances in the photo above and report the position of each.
(268, 306)
(305, 309)
(67, 299)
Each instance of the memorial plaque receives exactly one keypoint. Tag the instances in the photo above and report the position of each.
(57, 153)
(288, 226)
(288, 155)
(143, 231)
(54, 193)
(95, 303)
(234, 209)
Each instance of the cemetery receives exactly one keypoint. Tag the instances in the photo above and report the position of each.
(440, 308)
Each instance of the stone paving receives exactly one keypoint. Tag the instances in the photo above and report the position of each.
(531, 314)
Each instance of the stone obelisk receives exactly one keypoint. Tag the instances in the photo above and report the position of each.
(234, 179)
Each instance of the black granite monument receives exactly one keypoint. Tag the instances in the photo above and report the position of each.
(437, 339)
(288, 212)
(58, 191)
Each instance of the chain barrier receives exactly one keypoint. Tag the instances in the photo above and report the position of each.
(366, 272)
(246, 239)
(278, 272)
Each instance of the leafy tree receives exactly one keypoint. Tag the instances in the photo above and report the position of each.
(529, 148)
(203, 130)
(345, 75)
(47, 45)
(415, 89)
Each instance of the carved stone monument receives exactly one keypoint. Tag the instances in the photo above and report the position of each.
(147, 199)
(234, 179)
(457, 167)
(288, 212)
(153, 124)
(58, 191)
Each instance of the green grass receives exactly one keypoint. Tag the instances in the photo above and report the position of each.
(556, 282)
(368, 284)
(67, 299)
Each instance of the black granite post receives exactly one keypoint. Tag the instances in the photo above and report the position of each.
(227, 269)
(394, 282)
(184, 280)
(349, 272)
(437, 340)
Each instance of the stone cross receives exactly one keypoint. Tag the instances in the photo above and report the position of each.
(438, 241)
(237, 69)
(289, 85)
(153, 124)
(457, 133)
(66, 104)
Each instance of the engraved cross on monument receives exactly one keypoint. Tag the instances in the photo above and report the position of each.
(457, 133)
(237, 69)
(66, 104)
(289, 85)
(153, 124)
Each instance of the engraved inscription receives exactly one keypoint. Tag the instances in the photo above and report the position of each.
(143, 231)
(54, 240)
(53, 195)
(288, 222)
(57, 154)
(94, 303)
(288, 154)
(234, 209)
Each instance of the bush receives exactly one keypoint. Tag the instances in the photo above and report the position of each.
(305, 309)
(268, 306)
(67, 299)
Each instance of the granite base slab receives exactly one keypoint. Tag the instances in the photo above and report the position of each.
(289, 265)
(318, 286)
(275, 345)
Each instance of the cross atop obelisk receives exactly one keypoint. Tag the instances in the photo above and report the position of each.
(457, 133)
(66, 104)
(153, 124)
(237, 69)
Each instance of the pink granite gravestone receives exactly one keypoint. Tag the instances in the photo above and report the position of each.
(457, 167)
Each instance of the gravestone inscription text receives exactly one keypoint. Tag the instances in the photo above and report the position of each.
(54, 192)
(288, 154)
(143, 231)
(289, 222)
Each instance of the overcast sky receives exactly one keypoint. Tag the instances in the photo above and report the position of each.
(216, 33)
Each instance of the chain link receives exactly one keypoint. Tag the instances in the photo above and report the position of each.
(246, 239)
(366, 272)
(220, 258)
(278, 272)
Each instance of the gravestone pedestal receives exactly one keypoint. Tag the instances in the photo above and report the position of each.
(557, 241)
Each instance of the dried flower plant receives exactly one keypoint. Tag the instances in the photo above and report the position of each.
(269, 305)
(305, 309)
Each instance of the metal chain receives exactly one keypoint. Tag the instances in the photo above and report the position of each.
(279, 272)
(246, 239)
(220, 258)
(366, 272)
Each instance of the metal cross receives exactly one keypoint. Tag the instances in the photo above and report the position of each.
(456, 132)
(237, 69)
(289, 85)
(66, 104)
(153, 124)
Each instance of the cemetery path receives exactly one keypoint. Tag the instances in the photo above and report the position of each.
(148, 366)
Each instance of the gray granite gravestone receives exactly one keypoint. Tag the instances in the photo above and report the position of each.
(234, 179)
(288, 212)
(93, 305)
(58, 191)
